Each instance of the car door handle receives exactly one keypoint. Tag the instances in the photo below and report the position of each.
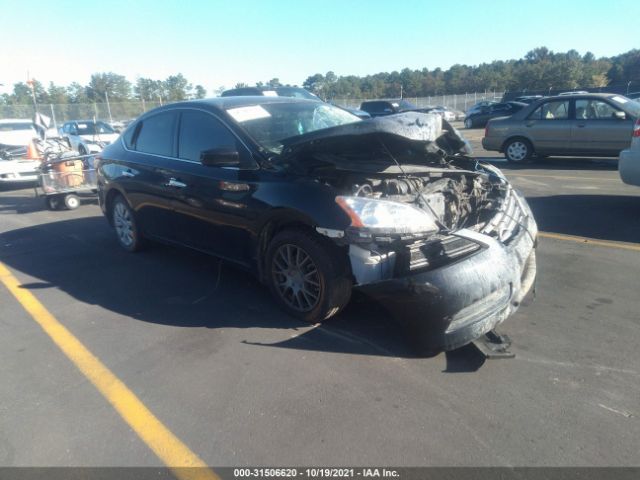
(581, 125)
(175, 183)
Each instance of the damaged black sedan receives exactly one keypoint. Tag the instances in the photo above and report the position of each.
(316, 202)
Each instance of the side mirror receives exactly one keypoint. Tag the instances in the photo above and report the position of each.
(220, 157)
(620, 115)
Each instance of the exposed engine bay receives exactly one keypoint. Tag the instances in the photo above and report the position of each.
(458, 200)
(412, 158)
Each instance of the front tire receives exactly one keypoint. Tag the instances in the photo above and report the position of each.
(307, 275)
(518, 150)
(468, 123)
(125, 225)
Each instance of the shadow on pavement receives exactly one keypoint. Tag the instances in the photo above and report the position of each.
(179, 287)
(606, 217)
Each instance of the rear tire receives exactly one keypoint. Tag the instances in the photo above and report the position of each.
(518, 150)
(125, 225)
(307, 275)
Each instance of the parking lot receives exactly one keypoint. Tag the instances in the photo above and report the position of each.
(208, 352)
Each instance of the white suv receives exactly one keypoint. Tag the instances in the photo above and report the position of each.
(87, 136)
(15, 134)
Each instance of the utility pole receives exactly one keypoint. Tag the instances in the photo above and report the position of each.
(106, 96)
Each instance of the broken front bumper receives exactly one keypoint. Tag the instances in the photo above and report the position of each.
(447, 307)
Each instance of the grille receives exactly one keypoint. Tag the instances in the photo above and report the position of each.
(506, 223)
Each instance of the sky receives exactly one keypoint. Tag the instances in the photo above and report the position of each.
(219, 43)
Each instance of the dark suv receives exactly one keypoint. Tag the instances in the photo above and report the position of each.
(315, 201)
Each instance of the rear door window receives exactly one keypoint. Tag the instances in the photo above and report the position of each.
(200, 131)
(589, 109)
(156, 134)
(556, 110)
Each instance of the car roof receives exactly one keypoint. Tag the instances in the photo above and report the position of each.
(582, 95)
(224, 103)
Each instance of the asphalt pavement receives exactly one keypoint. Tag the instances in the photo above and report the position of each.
(207, 351)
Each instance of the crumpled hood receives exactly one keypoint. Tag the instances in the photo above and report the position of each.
(424, 128)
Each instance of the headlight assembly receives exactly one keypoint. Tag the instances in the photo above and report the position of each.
(386, 217)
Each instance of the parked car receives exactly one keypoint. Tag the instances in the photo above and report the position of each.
(16, 132)
(15, 168)
(380, 108)
(316, 202)
(633, 96)
(445, 112)
(87, 136)
(480, 118)
(479, 106)
(594, 124)
(629, 161)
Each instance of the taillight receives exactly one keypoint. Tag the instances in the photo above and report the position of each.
(636, 129)
(486, 130)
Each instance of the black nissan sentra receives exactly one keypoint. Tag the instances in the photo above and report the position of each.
(316, 202)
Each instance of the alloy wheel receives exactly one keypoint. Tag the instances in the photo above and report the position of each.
(123, 223)
(296, 277)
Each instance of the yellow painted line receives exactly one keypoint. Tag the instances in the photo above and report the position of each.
(563, 177)
(184, 464)
(590, 241)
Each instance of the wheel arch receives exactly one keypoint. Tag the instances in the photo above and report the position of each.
(108, 202)
(279, 220)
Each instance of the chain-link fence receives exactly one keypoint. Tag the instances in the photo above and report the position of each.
(114, 112)
(460, 102)
(60, 113)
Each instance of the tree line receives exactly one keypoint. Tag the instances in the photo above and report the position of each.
(538, 71)
(105, 87)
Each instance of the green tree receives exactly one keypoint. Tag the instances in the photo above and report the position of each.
(117, 87)
(200, 92)
(176, 88)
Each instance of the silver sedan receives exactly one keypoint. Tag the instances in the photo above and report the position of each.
(578, 125)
